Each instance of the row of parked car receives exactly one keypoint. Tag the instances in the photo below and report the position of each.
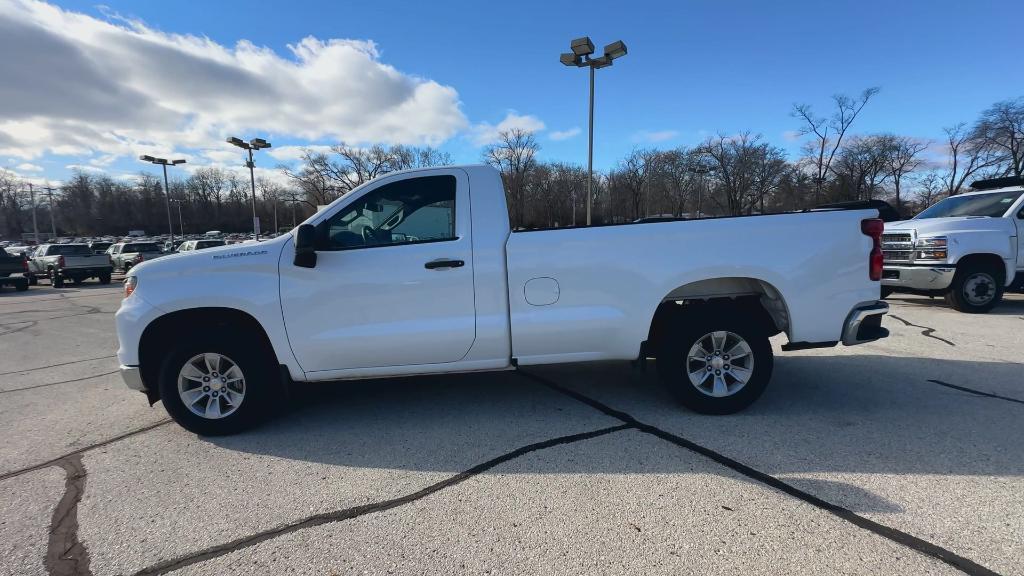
(23, 266)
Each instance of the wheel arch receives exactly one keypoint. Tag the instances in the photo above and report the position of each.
(758, 298)
(987, 259)
(160, 334)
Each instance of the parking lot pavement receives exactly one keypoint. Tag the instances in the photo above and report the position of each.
(902, 456)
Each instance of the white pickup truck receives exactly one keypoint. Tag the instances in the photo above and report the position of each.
(418, 272)
(968, 248)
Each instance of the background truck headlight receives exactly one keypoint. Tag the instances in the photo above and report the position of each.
(931, 248)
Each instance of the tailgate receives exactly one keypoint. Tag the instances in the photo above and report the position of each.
(86, 261)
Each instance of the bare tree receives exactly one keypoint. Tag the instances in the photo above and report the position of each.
(514, 155)
(829, 132)
(904, 158)
(967, 156)
(1001, 129)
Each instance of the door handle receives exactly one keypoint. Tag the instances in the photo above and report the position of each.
(443, 263)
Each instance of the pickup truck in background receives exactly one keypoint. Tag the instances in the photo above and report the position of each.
(13, 271)
(125, 255)
(75, 262)
(418, 272)
(967, 248)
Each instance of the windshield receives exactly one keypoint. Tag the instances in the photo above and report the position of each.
(993, 205)
(141, 248)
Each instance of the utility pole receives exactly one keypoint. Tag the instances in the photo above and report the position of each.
(32, 198)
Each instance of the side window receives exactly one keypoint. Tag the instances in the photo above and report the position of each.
(409, 211)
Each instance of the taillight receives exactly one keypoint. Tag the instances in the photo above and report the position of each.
(873, 227)
(60, 261)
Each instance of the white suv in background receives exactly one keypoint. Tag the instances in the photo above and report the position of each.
(968, 248)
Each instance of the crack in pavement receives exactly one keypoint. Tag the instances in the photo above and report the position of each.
(961, 563)
(66, 555)
(7, 330)
(925, 332)
(56, 365)
(57, 461)
(8, 391)
(357, 511)
(61, 297)
(976, 392)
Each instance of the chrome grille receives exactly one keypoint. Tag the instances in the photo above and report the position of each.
(897, 247)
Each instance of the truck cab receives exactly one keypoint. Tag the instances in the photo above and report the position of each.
(967, 248)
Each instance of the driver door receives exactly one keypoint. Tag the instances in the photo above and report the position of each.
(393, 282)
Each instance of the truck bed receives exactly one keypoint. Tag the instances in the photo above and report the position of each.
(585, 272)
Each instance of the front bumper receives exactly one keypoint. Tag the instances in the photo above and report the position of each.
(864, 324)
(132, 376)
(918, 277)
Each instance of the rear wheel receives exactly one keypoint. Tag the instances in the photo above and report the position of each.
(56, 280)
(217, 387)
(976, 289)
(32, 280)
(715, 362)
(21, 286)
(886, 292)
(105, 278)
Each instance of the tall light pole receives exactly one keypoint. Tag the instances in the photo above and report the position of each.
(167, 189)
(181, 223)
(254, 144)
(582, 49)
(53, 224)
(32, 199)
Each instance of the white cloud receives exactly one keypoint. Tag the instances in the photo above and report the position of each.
(792, 135)
(565, 134)
(654, 136)
(293, 153)
(27, 167)
(485, 133)
(120, 88)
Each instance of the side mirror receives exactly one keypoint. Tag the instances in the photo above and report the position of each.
(305, 246)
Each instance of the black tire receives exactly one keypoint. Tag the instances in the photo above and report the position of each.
(262, 384)
(886, 292)
(21, 286)
(56, 280)
(32, 280)
(984, 281)
(105, 278)
(688, 328)
(127, 267)
(77, 280)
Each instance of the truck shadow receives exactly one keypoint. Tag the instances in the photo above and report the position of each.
(835, 415)
(1012, 304)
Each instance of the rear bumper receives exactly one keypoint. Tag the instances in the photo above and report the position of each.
(864, 323)
(132, 376)
(918, 277)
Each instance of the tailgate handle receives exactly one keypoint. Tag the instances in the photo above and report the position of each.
(443, 263)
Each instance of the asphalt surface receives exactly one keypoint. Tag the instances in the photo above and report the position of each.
(902, 456)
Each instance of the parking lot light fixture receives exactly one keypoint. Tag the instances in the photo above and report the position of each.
(167, 190)
(254, 144)
(580, 57)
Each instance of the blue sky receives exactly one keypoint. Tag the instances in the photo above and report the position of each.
(693, 69)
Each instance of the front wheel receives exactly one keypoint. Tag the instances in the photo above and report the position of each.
(56, 280)
(714, 362)
(975, 289)
(218, 387)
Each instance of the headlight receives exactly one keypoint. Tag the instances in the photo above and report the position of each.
(931, 248)
(129, 285)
